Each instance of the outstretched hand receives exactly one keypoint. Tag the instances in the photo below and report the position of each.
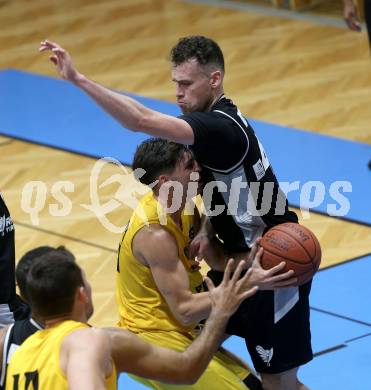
(61, 59)
(269, 279)
(226, 298)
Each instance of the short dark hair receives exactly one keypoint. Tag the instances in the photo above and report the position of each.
(157, 156)
(26, 261)
(203, 49)
(52, 283)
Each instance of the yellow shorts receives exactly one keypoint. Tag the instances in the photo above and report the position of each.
(223, 372)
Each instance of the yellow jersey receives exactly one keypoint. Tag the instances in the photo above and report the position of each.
(141, 305)
(36, 363)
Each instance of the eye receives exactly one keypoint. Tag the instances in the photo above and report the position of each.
(185, 83)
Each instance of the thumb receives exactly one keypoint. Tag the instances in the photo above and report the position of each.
(194, 248)
(209, 283)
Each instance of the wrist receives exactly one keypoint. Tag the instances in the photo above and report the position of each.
(209, 235)
(217, 319)
(79, 80)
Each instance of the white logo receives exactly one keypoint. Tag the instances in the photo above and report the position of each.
(2, 225)
(265, 354)
(125, 194)
(259, 169)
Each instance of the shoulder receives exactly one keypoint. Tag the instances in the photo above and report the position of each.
(155, 232)
(91, 342)
(152, 242)
(196, 119)
(95, 336)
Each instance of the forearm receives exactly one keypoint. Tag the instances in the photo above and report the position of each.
(194, 309)
(216, 257)
(124, 109)
(200, 352)
(206, 228)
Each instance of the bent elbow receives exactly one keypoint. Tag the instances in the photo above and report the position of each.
(185, 319)
(144, 123)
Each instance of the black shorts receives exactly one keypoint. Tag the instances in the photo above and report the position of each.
(273, 347)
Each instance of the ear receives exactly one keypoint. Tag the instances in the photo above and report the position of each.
(216, 79)
(162, 179)
(82, 295)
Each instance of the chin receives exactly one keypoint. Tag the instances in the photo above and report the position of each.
(184, 110)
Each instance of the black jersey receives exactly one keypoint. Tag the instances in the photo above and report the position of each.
(16, 334)
(241, 194)
(7, 255)
(11, 306)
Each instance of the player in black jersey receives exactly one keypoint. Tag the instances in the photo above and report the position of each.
(12, 336)
(241, 192)
(11, 306)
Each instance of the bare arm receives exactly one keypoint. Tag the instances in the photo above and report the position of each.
(208, 247)
(130, 113)
(85, 359)
(351, 15)
(131, 354)
(157, 248)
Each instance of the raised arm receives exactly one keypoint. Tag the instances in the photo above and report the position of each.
(130, 113)
(133, 355)
(85, 359)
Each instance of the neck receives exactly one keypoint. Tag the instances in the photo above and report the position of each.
(218, 95)
(176, 216)
(38, 319)
(79, 317)
(50, 323)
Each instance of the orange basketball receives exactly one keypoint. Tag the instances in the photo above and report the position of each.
(294, 244)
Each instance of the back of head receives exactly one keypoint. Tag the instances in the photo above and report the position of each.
(157, 156)
(206, 51)
(26, 261)
(52, 283)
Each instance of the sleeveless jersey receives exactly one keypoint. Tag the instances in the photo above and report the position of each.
(141, 305)
(16, 334)
(36, 363)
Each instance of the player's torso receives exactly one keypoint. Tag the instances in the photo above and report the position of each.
(141, 305)
(245, 199)
(17, 333)
(7, 254)
(36, 363)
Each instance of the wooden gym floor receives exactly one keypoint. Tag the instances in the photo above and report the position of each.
(284, 71)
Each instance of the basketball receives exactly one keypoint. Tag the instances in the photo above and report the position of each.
(294, 244)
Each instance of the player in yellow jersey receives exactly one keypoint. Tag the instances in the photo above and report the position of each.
(160, 292)
(69, 353)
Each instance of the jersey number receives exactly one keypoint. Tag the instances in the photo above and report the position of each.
(31, 383)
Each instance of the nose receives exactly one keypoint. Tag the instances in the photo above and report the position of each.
(179, 91)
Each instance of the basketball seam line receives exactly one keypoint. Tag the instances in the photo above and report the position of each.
(305, 250)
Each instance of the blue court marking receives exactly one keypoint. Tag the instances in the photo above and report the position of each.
(127, 383)
(54, 113)
(345, 368)
(345, 290)
(327, 332)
